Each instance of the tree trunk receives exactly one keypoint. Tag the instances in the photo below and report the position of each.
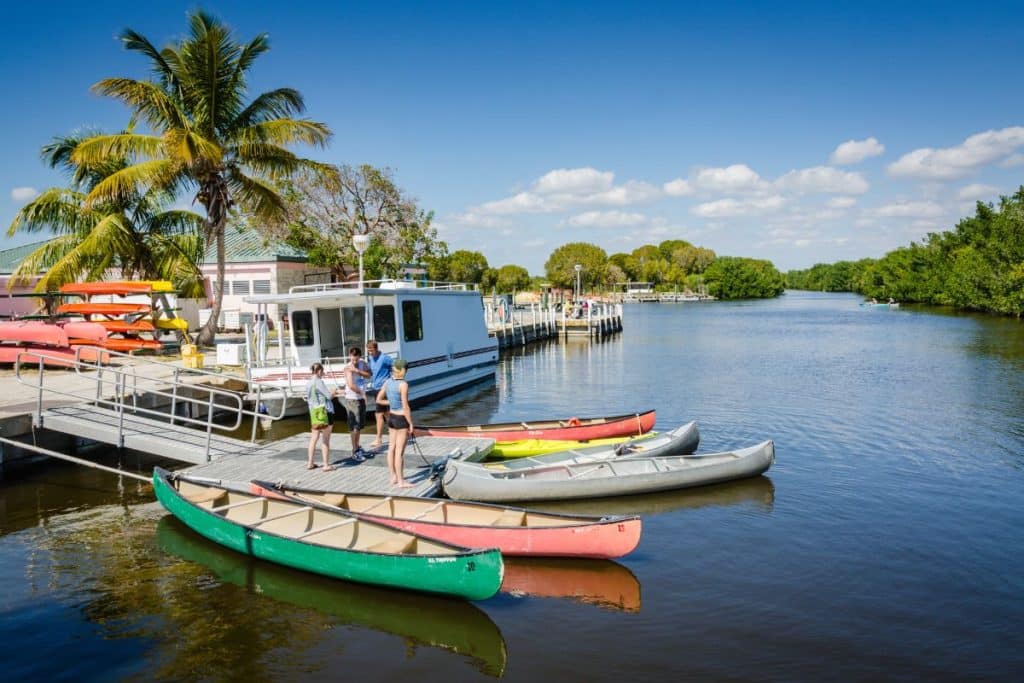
(209, 331)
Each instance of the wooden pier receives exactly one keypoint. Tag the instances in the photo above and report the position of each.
(522, 326)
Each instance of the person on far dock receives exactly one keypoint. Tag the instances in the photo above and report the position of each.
(380, 371)
(400, 426)
(321, 416)
(354, 398)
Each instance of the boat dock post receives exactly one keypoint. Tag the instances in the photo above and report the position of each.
(522, 326)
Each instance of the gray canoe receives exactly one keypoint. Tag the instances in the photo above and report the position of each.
(619, 477)
(680, 441)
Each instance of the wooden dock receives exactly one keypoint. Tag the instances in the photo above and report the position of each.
(522, 326)
(285, 461)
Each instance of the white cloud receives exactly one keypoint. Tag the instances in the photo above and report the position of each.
(534, 243)
(677, 188)
(737, 178)
(24, 194)
(822, 179)
(723, 208)
(801, 243)
(574, 181)
(976, 191)
(606, 219)
(566, 188)
(905, 209)
(840, 202)
(477, 219)
(955, 162)
(855, 151)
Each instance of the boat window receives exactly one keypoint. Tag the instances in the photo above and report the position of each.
(384, 323)
(412, 321)
(302, 326)
(329, 320)
(353, 326)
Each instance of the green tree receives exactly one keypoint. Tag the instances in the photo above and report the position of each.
(466, 266)
(512, 278)
(732, 277)
(205, 136)
(137, 233)
(560, 266)
(669, 247)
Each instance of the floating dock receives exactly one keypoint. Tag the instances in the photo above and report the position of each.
(522, 326)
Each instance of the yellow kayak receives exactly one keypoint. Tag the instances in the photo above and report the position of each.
(524, 448)
(172, 324)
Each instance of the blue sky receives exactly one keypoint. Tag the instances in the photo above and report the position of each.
(797, 132)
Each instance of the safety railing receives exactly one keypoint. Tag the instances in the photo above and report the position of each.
(380, 284)
(119, 388)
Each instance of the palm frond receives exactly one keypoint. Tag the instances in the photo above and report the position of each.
(56, 209)
(191, 148)
(137, 42)
(246, 58)
(284, 131)
(100, 148)
(273, 104)
(256, 197)
(133, 181)
(178, 222)
(146, 99)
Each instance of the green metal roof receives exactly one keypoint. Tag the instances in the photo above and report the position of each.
(10, 258)
(246, 246)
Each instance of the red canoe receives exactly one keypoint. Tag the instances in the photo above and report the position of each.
(123, 326)
(118, 287)
(569, 429)
(33, 332)
(514, 531)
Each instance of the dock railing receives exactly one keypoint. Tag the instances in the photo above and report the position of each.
(119, 388)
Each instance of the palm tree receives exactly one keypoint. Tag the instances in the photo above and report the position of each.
(204, 137)
(136, 233)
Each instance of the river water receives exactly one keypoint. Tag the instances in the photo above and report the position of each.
(886, 542)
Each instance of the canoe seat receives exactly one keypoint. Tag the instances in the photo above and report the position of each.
(393, 546)
(335, 499)
(511, 518)
(205, 496)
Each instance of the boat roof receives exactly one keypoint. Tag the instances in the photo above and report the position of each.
(343, 290)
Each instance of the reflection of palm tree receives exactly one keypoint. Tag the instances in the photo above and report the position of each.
(453, 625)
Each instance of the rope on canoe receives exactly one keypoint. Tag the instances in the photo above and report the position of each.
(71, 458)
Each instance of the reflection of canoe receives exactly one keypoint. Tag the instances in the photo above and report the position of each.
(514, 531)
(118, 287)
(327, 541)
(596, 582)
(453, 625)
(680, 441)
(626, 476)
(570, 428)
(756, 491)
(91, 308)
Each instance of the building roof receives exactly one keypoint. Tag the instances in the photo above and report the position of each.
(10, 258)
(246, 246)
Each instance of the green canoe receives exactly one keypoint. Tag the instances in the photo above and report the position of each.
(327, 541)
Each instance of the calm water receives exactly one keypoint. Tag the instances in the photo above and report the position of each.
(887, 541)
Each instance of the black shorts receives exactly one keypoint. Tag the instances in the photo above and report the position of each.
(397, 421)
(355, 409)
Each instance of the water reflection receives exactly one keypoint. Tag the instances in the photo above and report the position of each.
(758, 492)
(602, 583)
(452, 625)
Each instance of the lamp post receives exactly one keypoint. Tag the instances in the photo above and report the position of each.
(361, 242)
(579, 286)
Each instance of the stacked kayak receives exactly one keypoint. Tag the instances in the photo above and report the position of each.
(327, 540)
(130, 325)
(514, 531)
(54, 344)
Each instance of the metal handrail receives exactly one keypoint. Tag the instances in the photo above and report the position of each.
(125, 377)
(380, 284)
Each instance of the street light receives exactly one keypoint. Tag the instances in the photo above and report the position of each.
(579, 287)
(361, 242)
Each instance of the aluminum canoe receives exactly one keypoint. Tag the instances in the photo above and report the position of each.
(620, 477)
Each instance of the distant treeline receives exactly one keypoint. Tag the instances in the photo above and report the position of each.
(978, 265)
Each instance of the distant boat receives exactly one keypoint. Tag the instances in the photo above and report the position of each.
(870, 304)
(471, 481)
(327, 541)
(570, 428)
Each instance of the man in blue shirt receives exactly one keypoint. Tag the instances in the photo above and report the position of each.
(380, 371)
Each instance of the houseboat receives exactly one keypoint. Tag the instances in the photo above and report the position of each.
(437, 327)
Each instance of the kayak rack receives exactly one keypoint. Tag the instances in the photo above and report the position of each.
(143, 405)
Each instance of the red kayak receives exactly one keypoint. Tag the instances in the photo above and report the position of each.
(569, 429)
(514, 531)
(90, 308)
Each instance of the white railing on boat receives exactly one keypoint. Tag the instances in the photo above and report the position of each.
(382, 284)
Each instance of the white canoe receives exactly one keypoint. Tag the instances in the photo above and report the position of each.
(620, 477)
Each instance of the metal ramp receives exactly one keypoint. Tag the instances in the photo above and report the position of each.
(145, 434)
(140, 406)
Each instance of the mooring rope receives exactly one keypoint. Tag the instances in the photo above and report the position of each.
(71, 458)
